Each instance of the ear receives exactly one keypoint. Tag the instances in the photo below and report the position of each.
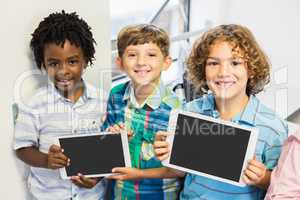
(167, 63)
(119, 63)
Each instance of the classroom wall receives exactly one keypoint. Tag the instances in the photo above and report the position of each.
(275, 25)
(18, 20)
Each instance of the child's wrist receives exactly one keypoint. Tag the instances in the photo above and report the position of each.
(141, 173)
(265, 181)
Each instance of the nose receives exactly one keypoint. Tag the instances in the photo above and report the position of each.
(63, 69)
(141, 60)
(223, 69)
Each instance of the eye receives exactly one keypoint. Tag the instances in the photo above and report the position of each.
(212, 63)
(52, 64)
(73, 62)
(152, 54)
(236, 63)
(131, 54)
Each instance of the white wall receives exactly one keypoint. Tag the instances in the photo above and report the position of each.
(275, 25)
(18, 20)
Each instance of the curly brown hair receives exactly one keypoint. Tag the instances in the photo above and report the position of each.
(242, 39)
(142, 34)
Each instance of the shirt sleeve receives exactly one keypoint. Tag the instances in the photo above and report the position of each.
(110, 113)
(285, 179)
(26, 128)
(272, 152)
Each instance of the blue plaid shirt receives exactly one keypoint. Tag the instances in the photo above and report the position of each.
(144, 120)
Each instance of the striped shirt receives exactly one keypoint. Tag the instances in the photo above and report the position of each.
(46, 116)
(272, 132)
(144, 120)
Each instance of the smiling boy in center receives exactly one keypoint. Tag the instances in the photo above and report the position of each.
(142, 106)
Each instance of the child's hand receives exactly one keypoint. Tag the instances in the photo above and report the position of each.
(119, 128)
(257, 174)
(126, 173)
(56, 158)
(161, 147)
(82, 181)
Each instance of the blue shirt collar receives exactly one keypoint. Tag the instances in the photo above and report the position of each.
(247, 116)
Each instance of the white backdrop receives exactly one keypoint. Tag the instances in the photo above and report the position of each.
(275, 25)
(18, 20)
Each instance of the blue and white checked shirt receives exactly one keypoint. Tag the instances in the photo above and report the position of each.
(272, 132)
(144, 120)
(46, 116)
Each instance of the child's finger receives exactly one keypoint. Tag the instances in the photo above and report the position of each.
(108, 129)
(247, 180)
(120, 173)
(55, 165)
(116, 177)
(161, 135)
(161, 151)
(88, 182)
(257, 163)
(58, 162)
(122, 170)
(129, 133)
(121, 125)
(162, 157)
(60, 156)
(160, 144)
(258, 171)
(77, 181)
(55, 149)
(114, 129)
(251, 176)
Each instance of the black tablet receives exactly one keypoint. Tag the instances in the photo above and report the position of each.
(210, 147)
(94, 155)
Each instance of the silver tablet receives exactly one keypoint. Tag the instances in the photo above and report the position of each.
(210, 147)
(94, 155)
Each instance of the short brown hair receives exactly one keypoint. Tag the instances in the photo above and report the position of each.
(141, 34)
(240, 37)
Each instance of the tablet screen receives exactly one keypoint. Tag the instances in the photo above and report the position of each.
(209, 147)
(93, 154)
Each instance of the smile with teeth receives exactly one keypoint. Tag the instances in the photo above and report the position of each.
(224, 84)
(64, 82)
(141, 72)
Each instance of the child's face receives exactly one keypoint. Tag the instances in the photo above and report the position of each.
(143, 63)
(226, 71)
(64, 66)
